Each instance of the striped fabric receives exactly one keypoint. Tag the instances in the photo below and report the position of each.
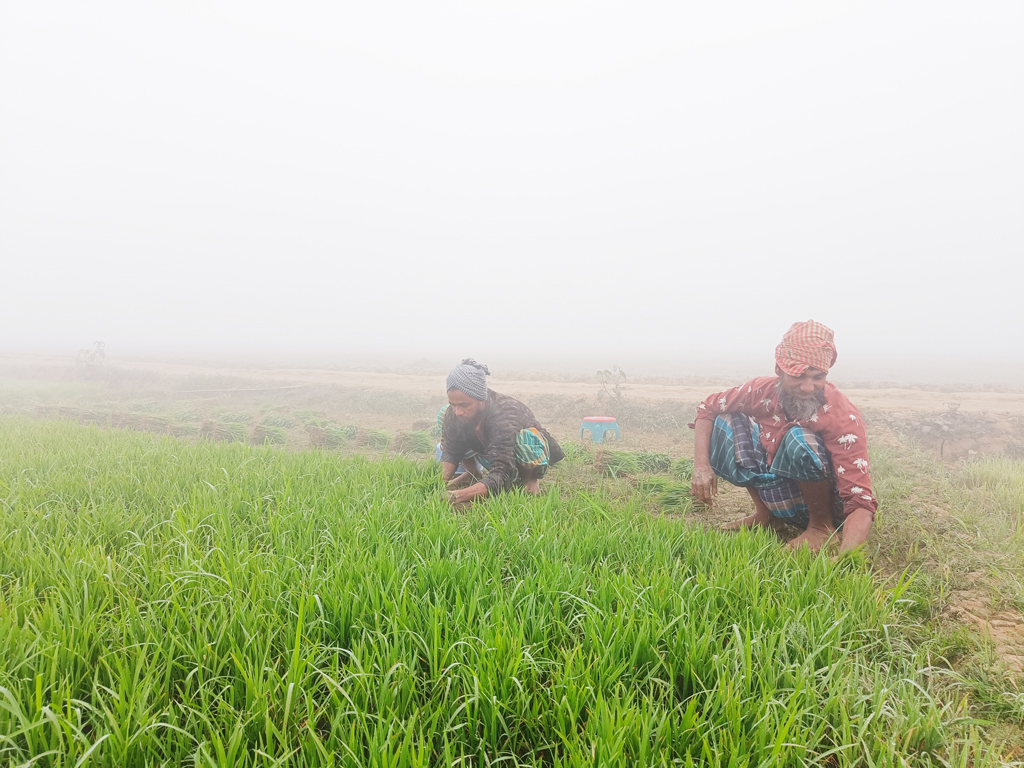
(806, 345)
(739, 457)
(532, 448)
(470, 377)
(500, 439)
(531, 451)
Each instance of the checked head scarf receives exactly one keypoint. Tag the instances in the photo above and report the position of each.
(470, 377)
(806, 345)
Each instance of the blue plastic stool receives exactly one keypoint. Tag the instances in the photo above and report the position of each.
(598, 426)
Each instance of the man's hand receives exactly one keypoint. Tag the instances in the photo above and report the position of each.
(855, 530)
(464, 496)
(460, 481)
(704, 484)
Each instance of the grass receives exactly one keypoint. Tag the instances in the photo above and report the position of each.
(219, 604)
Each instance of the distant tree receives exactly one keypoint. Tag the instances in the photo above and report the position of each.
(89, 359)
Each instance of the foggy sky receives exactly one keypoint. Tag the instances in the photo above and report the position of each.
(609, 181)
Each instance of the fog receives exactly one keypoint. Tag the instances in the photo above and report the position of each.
(665, 185)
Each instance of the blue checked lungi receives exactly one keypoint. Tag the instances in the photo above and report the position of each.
(738, 457)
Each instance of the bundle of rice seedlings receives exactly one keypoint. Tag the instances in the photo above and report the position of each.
(148, 422)
(414, 442)
(616, 463)
(234, 417)
(575, 452)
(277, 420)
(222, 431)
(309, 418)
(317, 436)
(655, 485)
(189, 416)
(336, 437)
(183, 430)
(683, 468)
(653, 462)
(263, 434)
(676, 499)
(93, 417)
(374, 438)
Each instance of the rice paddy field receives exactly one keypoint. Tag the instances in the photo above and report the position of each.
(210, 600)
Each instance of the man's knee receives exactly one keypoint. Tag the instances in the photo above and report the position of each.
(802, 456)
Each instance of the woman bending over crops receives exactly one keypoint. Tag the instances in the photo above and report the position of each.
(484, 430)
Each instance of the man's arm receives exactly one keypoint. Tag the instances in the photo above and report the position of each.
(856, 529)
(464, 495)
(704, 484)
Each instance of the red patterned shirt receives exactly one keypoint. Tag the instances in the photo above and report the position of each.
(838, 422)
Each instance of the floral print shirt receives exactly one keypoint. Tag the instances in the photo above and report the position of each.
(838, 422)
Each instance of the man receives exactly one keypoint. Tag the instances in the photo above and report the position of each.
(795, 442)
(484, 430)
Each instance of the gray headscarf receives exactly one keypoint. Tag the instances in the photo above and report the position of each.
(470, 377)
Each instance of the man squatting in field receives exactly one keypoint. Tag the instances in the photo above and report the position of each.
(482, 429)
(794, 441)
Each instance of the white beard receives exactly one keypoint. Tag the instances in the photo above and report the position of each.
(800, 410)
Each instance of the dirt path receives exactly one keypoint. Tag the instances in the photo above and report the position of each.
(890, 400)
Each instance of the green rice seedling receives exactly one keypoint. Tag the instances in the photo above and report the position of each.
(188, 416)
(653, 462)
(147, 422)
(416, 442)
(263, 434)
(330, 436)
(1001, 482)
(616, 463)
(94, 417)
(226, 431)
(47, 411)
(310, 418)
(669, 494)
(374, 438)
(317, 436)
(172, 604)
(277, 420)
(337, 437)
(577, 452)
(676, 499)
(683, 468)
(183, 430)
(233, 417)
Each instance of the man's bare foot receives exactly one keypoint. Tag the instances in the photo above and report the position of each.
(750, 521)
(813, 538)
(760, 519)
